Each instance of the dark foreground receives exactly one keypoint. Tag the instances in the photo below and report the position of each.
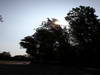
(47, 69)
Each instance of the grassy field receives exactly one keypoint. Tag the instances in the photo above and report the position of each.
(23, 68)
(14, 62)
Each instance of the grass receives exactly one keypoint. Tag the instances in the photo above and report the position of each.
(23, 68)
(13, 62)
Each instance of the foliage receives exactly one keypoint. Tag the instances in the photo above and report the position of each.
(5, 55)
(21, 58)
(79, 43)
(85, 28)
(49, 42)
(1, 18)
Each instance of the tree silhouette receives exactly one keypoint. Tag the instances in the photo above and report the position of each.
(85, 29)
(1, 18)
(48, 43)
(78, 43)
(5, 55)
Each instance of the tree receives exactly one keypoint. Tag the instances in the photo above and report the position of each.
(85, 29)
(49, 42)
(1, 18)
(21, 57)
(5, 55)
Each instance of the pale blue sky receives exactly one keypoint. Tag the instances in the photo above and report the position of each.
(22, 16)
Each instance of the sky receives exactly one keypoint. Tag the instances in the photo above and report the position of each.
(21, 17)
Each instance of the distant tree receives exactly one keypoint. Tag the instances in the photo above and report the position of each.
(1, 18)
(21, 57)
(85, 30)
(5, 55)
(49, 42)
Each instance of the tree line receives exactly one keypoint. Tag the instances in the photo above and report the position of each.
(78, 44)
(7, 56)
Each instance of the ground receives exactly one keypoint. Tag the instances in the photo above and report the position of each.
(45, 69)
(13, 62)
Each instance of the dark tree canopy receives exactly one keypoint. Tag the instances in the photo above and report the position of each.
(5, 55)
(78, 43)
(48, 42)
(85, 29)
(84, 25)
